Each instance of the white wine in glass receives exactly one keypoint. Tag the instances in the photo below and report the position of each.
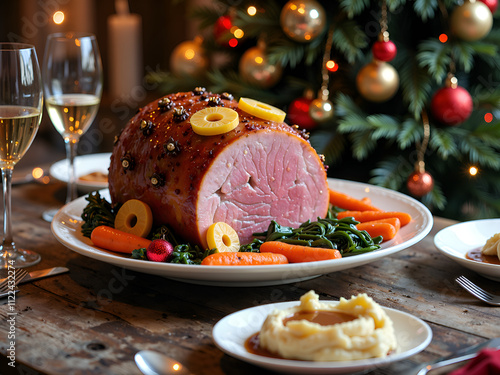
(72, 80)
(21, 102)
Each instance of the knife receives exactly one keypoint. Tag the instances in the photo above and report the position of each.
(35, 275)
(458, 357)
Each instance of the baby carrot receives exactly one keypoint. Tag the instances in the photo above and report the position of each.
(363, 216)
(299, 253)
(243, 259)
(116, 240)
(350, 203)
(366, 200)
(387, 228)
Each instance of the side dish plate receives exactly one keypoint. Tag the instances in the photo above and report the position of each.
(457, 240)
(230, 333)
(67, 223)
(84, 165)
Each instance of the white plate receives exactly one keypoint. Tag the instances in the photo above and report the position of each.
(84, 164)
(457, 240)
(67, 222)
(230, 333)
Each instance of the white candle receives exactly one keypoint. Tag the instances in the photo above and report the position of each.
(125, 51)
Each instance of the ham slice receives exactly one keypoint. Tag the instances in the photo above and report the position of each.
(258, 172)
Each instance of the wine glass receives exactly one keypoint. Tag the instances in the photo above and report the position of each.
(21, 104)
(72, 82)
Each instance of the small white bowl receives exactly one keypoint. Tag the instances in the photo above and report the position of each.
(457, 240)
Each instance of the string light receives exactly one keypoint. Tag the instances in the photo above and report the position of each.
(251, 10)
(473, 170)
(332, 66)
(233, 42)
(58, 17)
(443, 38)
(238, 33)
(488, 117)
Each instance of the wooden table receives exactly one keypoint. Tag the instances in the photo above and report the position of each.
(95, 318)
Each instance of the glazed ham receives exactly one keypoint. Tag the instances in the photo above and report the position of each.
(258, 172)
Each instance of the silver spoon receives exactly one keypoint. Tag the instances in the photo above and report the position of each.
(154, 363)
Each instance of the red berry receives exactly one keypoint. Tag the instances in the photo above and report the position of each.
(159, 251)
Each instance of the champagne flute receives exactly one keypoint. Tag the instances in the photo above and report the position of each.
(72, 81)
(21, 103)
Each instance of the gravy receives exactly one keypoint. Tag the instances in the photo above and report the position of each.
(477, 256)
(322, 317)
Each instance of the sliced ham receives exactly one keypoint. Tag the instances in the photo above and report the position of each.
(258, 172)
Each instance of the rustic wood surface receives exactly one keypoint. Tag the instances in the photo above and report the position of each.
(93, 319)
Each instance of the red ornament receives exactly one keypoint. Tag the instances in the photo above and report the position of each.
(451, 105)
(420, 183)
(222, 30)
(491, 4)
(298, 113)
(384, 50)
(159, 250)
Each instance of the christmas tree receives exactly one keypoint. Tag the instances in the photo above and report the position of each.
(400, 94)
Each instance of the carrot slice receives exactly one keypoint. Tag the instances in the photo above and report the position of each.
(350, 203)
(243, 259)
(116, 240)
(363, 216)
(387, 228)
(298, 253)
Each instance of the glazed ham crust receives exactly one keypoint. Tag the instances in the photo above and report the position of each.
(258, 172)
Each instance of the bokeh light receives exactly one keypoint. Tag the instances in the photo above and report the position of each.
(58, 17)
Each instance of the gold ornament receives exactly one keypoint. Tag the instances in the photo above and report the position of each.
(471, 21)
(321, 110)
(255, 68)
(303, 20)
(189, 59)
(377, 81)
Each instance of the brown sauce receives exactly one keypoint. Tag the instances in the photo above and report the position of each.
(477, 256)
(94, 177)
(324, 318)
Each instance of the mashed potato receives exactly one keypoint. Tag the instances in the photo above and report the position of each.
(369, 334)
(492, 246)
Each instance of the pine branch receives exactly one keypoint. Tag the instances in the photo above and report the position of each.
(480, 153)
(206, 15)
(289, 53)
(415, 82)
(411, 132)
(329, 143)
(435, 56)
(488, 133)
(349, 39)
(231, 82)
(443, 142)
(362, 144)
(384, 126)
(436, 198)
(344, 105)
(354, 7)
(463, 54)
(426, 9)
(389, 173)
(393, 5)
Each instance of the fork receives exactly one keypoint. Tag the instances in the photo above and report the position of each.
(20, 274)
(476, 291)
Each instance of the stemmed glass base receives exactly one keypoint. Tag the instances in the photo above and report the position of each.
(19, 259)
(48, 215)
(10, 256)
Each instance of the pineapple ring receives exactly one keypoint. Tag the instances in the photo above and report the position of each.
(223, 237)
(214, 120)
(261, 110)
(135, 217)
